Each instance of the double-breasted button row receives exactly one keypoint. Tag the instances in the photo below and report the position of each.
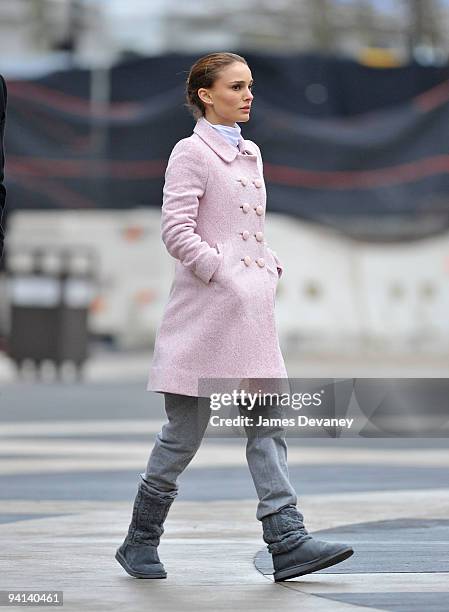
(245, 181)
(246, 208)
(258, 235)
(260, 261)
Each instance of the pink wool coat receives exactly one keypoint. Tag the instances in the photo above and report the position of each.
(219, 321)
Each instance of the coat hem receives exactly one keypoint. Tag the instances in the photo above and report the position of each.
(161, 382)
(183, 384)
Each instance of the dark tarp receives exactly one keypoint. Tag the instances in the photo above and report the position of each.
(360, 149)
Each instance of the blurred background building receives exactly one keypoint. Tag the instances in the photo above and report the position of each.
(356, 92)
(86, 31)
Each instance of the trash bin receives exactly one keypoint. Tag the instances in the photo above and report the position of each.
(50, 291)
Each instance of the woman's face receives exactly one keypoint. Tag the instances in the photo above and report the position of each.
(230, 93)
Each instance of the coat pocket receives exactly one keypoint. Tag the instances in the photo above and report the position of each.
(275, 263)
(272, 265)
(220, 250)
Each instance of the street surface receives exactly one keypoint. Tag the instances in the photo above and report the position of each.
(70, 459)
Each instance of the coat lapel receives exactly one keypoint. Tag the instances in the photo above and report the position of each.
(219, 144)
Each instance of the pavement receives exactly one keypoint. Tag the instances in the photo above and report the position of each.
(71, 453)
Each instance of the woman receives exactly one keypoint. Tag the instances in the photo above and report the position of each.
(219, 322)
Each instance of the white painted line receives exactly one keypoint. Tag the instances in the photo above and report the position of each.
(77, 455)
(83, 427)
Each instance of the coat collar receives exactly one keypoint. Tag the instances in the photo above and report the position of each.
(218, 144)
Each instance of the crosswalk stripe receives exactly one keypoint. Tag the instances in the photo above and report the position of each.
(86, 427)
(58, 455)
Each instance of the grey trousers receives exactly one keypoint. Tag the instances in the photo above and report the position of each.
(180, 438)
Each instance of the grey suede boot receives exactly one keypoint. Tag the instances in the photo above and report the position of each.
(138, 553)
(294, 551)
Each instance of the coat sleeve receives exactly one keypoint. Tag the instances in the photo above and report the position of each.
(3, 96)
(185, 183)
(280, 267)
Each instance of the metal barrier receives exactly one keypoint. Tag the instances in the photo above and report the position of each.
(50, 291)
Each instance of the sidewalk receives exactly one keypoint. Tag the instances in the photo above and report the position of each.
(65, 473)
(208, 551)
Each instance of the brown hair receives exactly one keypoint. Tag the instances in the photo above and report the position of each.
(203, 73)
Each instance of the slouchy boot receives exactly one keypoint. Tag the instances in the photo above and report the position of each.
(294, 551)
(138, 554)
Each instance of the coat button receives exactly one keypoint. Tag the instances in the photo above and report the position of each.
(259, 210)
(247, 260)
(243, 180)
(257, 183)
(260, 262)
(245, 235)
(245, 207)
(259, 236)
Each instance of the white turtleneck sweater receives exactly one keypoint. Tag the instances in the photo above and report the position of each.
(232, 134)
